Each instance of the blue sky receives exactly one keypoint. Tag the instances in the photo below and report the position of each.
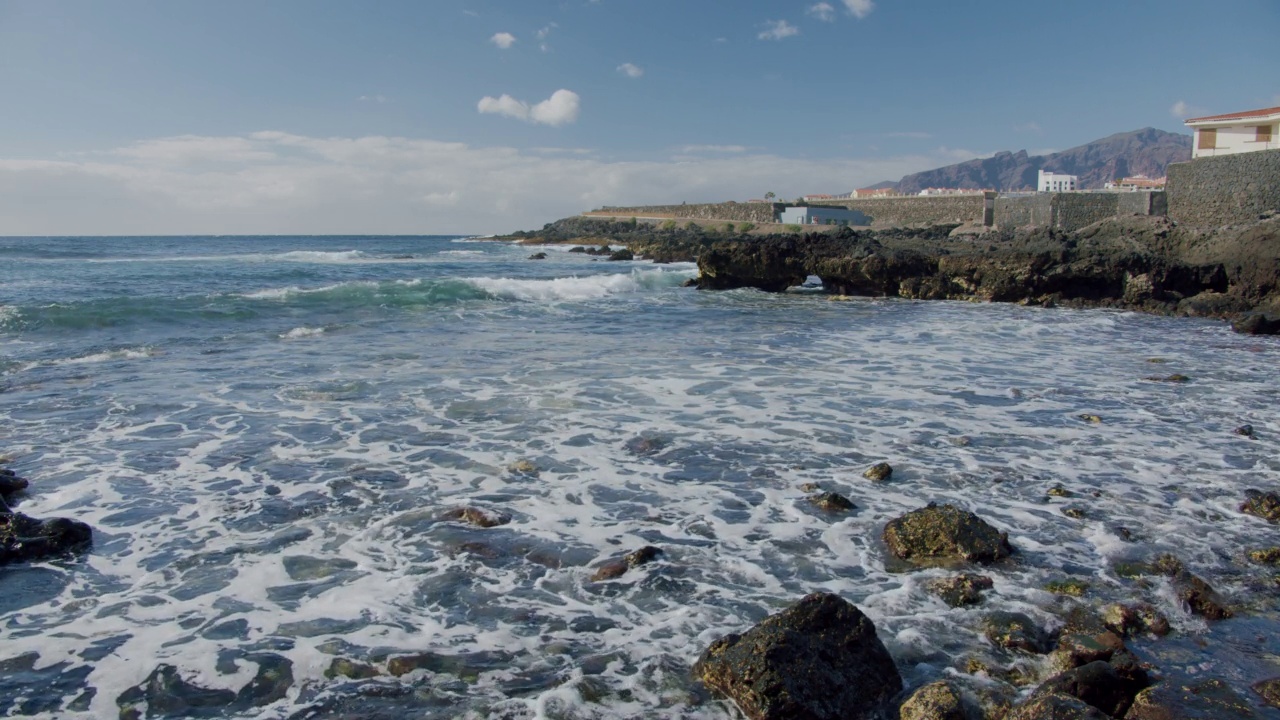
(314, 116)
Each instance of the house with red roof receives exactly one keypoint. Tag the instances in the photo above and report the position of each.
(1231, 133)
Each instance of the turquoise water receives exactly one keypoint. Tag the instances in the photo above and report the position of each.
(267, 435)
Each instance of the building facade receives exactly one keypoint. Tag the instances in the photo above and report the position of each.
(1055, 182)
(874, 193)
(823, 216)
(1232, 133)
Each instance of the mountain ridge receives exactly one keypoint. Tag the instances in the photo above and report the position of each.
(1148, 151)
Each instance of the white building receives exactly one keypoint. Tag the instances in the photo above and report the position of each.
(1233, 133)
(1056, 182)
(823, 216)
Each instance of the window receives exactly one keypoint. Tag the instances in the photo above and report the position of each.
(1264, 134)
(1208, 139)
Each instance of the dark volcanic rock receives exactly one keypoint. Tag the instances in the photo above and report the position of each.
(1263, 505)
(476, 516)
(961, 590)
(935, 701)
(538, 256)
(1129, 620)
(1056, 707)
(1200, 597)
(1100, 684)
(165, 694)
(613, 569)
(621, 254)
(1257, 324)
(832, 502)
(1269, 690)
(945, 533)
(880, 472)
(1204, 700)
(820, 659)
(24, 539)
(10, 483)
(1015, 631)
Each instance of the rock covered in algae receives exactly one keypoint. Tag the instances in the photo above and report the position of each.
(820, 659)
(945, 533)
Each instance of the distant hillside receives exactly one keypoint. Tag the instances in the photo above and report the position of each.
(1141, 152)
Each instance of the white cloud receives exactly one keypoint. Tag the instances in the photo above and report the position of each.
(503, 40)
(277, 183)
(560, 109)
(777, 30)
(373, 98)
(860, 8)
(1182, 110)
(823, 11)
(631, 71)
(542, 36)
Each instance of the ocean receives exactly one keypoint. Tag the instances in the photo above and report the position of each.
(268, 436)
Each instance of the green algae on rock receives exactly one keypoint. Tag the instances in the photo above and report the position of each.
(945, 533)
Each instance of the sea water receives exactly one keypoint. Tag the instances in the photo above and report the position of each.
(267, 435)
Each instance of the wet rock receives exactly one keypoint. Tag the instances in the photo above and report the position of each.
(1070, 586)
(538, 256)
(1264, 505)
(832, 502)
(621, 254)
(1090, 418)
(26, 539)
(1245, 430)
(1269, 690)
(945, 533)
(10, 483)
(820, 659)
(166, 694)
(467, 666)
(1077, 649)
(523, 467)
(1056, 707)
(614, 569)
(1059, 491)
(1266, 556)
(935, 701)
(1200, 597)
(269, 684)
(476, 516)
(1099, 684)
(1015, 631)
(642, 445)
(577, 249)
(1203, 700)
(961, 590)
(1257, 324)
(810, 487)
(1129, 620)
(342, 667)
(1174, 378)
(880, 472)
(1074, 512)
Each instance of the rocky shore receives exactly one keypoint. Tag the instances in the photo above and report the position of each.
(1150, 264)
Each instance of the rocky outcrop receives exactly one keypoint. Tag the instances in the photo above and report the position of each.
(1264, 505)
(961, 590)
(1056, 707)
(820, 659)
(614, 569)
(945, 533)
(27, 539)
(1205, 700)
(935, 701)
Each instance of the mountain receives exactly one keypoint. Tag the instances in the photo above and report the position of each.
(1142, 152)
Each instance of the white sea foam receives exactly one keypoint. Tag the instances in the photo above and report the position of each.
(590, 287)
(302, 332)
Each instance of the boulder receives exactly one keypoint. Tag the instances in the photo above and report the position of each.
(25, 539)
(476, 516)
(1129, 620)
(621, 254)
(1203, 700)
(1264, 505)
(617, 568)
(166, 694)
(1100, 684)
(538, 256)
(832, 502)
(820, 659)
(1269, 691)
(1015, 631)
(10, 483)
(1200, 597)
(935, 701)
(1056, 707)
(945, 533)
(880, 472)
(961, 590)
(1257, 324)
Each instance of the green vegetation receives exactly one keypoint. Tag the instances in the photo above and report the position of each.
(668, 225)
(728, 228)
(794, 229)
(746, 227)
(1074, 588)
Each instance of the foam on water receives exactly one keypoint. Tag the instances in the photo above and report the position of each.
(287, 500)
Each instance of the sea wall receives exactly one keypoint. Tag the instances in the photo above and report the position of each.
(914, 211)
(1072, 211)
(1224, 190)
(728, 212)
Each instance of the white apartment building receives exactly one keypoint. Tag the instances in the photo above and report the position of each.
(1056, 182)
(1241, 132)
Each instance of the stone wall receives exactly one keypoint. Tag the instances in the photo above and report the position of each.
(1224, 190)
(728, 212)
(914, 211)
(1072, 211)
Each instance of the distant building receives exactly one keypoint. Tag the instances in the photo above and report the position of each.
(811, 198)
(1136, 183)
(1232, 133)
(873, 193)
(936, 192)
(823, 216)
(1056, 182)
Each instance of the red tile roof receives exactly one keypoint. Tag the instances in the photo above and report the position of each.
(1241, 115)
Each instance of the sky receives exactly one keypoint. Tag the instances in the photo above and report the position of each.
(488, 116)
